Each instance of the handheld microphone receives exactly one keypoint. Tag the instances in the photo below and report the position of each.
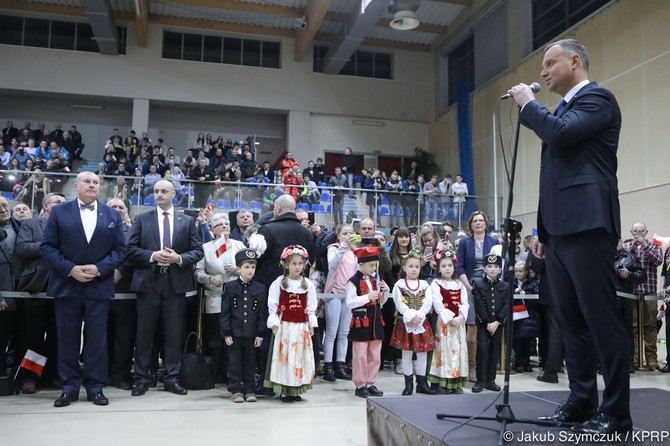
(535, 87)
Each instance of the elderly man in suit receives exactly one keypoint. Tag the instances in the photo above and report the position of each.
(578, 227)
(164, 246)
(38, 316)
(83, 242)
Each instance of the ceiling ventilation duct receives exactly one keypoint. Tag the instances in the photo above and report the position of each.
(404, 17)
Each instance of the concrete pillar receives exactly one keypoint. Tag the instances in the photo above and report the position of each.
(298, 135)
(140, 116)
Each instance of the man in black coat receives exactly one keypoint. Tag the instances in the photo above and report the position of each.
(578, 227)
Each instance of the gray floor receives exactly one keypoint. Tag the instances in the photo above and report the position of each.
(329, 415)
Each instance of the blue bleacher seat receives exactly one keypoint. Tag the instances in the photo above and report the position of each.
(318, 209)
(240, 204)
(325, 196)
(357, 179)
(255, 206)
(322, 184)
(223, 204)
(451, 215)
(135, 200)
(385, 200)
(303, 206)
(384, 211)
(210, 202)
(8, 195)
(328, 209)
(150, 201)
(175, 201)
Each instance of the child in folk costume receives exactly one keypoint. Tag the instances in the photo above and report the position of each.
(449, 365)
(365, 297)
(292, 305)
(412, 333)
(490, 296)
(243, 317)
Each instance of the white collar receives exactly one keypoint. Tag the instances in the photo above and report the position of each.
(574, 90)
(169, 211)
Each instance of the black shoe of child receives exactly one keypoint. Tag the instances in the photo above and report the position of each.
(422, 386)
(478, 387)
(361, 392)
(374, 391)
(409, 385)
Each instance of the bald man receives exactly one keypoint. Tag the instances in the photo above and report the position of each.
(163, 245)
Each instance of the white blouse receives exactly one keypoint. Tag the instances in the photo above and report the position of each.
(293, 287)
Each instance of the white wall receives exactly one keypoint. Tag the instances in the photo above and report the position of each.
(189, 97)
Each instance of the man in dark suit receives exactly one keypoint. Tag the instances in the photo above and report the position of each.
(579, 226)
(202, 174)
(83, 242)
(38, 316)
(163, 245)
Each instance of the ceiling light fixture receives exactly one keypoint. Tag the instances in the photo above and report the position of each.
(87, 106)
(404, 17)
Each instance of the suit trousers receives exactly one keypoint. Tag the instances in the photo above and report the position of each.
(39, 318)
(580, 269)
(70, 312)
(6, 325)
(488, 353)
(122, 331)
(650, 330)
(551, 342)
(241, 365)
(162, 302)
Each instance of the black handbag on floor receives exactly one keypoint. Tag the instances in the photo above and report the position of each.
(197, 371)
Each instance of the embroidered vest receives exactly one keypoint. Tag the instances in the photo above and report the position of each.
(292, 306)
(366, 321)
(451, 299)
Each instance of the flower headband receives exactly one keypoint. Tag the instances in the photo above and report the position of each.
(413, 254)
(293, 250)
(443, 254)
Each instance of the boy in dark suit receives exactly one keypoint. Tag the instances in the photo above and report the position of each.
(244, 312)
(490, 296)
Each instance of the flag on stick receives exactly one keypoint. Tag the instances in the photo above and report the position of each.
(34, 362)
(660, 240)
(220, 246)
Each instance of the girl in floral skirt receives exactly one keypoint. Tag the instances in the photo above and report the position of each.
(292, 305)
(449, 365)
(412, 332)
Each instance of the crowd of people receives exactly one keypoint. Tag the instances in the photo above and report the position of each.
(284, 299)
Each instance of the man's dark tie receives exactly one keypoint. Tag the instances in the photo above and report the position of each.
(166, 231)
(561, 107)
(90, 207)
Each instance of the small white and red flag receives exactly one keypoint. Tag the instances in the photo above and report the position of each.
(220, 246)
(660, 240)
(34, 362)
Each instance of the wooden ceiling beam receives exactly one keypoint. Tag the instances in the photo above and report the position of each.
(315, 12)
(141, 23)
(72, 11)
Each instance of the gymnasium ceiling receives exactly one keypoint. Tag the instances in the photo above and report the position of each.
(339, 23)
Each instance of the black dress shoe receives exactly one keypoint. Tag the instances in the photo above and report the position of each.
(176, 388)
(139, 390)
(478, 387)
(98, 398)
(602, 423)
(569, 412)
(491, 385)
(548, 378)
(374, 391)
(361, 392)
(665, 368)
(65, 399)
(122, 384)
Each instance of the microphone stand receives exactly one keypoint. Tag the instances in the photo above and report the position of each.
(504, 413)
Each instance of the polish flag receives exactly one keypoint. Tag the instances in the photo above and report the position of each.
(660, 241)
(34, 362)
(220, 246)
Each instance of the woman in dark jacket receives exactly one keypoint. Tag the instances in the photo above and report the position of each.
(348, 165)
(470, 254)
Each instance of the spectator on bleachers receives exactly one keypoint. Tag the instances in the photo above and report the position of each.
(373, 184)
(256, 193)
(56, 134)
(68, 144)
(409, 201)
(202, 175)
(309, 192)
(21, 156)
(8, 133)
(22, 212)
(121, 189)
(150, 180)
(13, 146)
(348, 164)
(30, 148)
(432, 194)
(291, 180)
(394, 185)
(78, 142)
(121, 170)
(338, 183)
(287, 165)
(445, 192)
(268, 172)
(459, 190)
(248, 166)
(156, 153)
(313, 172)
(25, 135)
(321, 169)
(4, 157)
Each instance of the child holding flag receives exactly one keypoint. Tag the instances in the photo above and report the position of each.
(365, 297)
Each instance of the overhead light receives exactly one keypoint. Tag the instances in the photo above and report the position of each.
(404, 21)
(370, 123)
(404, 17)
(87, 106)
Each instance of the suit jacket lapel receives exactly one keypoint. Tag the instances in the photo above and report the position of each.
(153, 226)
(76, 216)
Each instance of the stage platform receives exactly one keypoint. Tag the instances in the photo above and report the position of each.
(411, 421)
